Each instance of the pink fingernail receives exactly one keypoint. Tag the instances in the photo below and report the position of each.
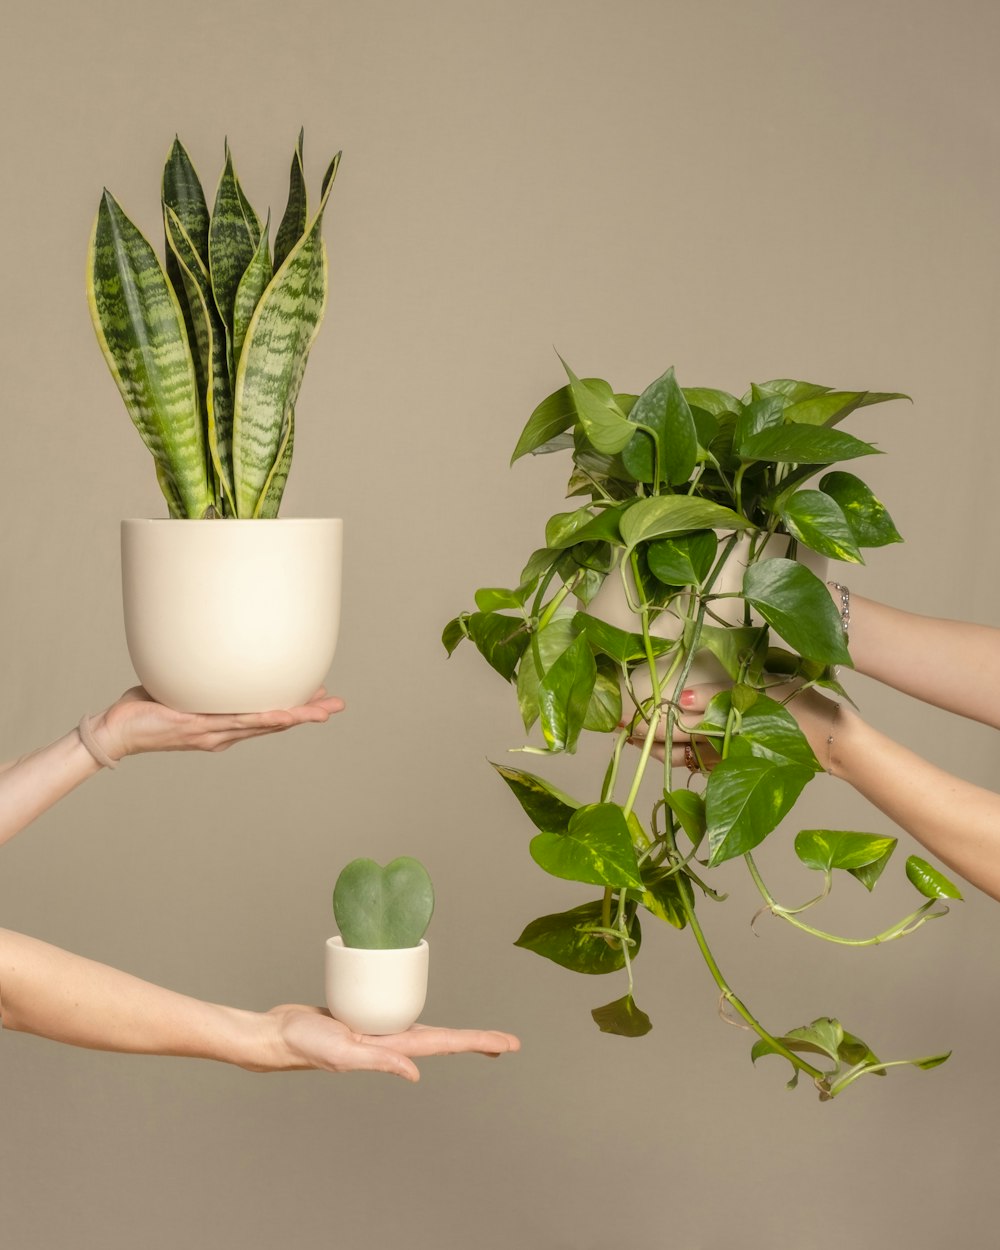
(687, 698)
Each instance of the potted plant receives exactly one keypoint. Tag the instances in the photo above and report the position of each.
(693, 510)
(376, 968)
(208, 352)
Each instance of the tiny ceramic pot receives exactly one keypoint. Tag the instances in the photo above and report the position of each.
(231, 616)
(376, 991)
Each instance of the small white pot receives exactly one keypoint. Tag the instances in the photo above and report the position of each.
(231, 616)
(376, 991)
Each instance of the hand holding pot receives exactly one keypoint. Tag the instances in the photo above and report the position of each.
(309, 1037)
(816, 715)
(136, 724)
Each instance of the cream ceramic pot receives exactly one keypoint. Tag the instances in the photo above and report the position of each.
(231, 616)
(376, 991)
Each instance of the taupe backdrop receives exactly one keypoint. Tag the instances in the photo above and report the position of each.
(744, 190)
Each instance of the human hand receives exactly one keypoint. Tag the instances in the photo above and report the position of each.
(309, 1037)
(814, 712)
(136, 723)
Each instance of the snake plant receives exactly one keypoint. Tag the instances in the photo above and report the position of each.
(209, 350)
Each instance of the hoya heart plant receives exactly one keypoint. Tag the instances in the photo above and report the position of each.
(694, 516)
(383, 908)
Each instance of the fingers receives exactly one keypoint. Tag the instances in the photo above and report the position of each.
(421, 1041)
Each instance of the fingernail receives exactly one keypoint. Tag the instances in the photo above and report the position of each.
(687, 698)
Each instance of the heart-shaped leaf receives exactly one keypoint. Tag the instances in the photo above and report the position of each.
(568, 939)
(929, 880)
(623, 1018)
(383, 908)
(596, 848)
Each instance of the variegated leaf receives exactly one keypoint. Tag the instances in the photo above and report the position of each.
(252, 285)
(211, 348)
(182, 192)
(274, 356)
(141, 333)
(296, 214)
(231, 246)
(274, 487)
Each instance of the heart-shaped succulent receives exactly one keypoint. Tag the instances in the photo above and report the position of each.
(383, 908)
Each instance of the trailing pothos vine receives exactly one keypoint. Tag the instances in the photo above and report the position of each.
(679, 487)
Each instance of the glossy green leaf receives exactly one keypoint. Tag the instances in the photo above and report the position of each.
(794, 392)
(823, 1037)
(665, 895)
(296, 214)
(712, 401)
(556, 413)
(497, 599)
(747, 798)
(804, 444)
(689, 808)
(825, 849)
(683, 561)
(797, 605)
(550, 644)
(853, 1050)
(500, 639)
(604, 712)
(566, 529)
(667, 515)
(140, 330)
(539, 563)
(868, 874)
(452, 634)
(818, 522)
(664, 411)
(732, 646)
(766, 730)
(618, 644)
(274, 356)
(564, 695)
(831, 407)
(383, 908)
(595, 849)
(763, 413)
(602, 420)
(567, 938)
(547, 808)
(622, 1018)
(870, 523)
(930, 881)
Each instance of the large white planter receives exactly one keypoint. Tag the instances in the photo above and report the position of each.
(376, 991)
(231, 616)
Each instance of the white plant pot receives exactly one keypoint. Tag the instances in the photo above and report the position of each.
(610, 604)
(231, 616)
(376, 991)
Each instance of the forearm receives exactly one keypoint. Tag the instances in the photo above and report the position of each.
(58, 995)
(33, 783)
(955, 820)
(950, 664)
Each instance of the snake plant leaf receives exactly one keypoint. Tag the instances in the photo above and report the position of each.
(166, 482)
(252, 285)
(293, 222)
(231, 245)
(383, 908)
(274, 355)
(140, 329)
(182, 191)
(210, 350)
(274, 487)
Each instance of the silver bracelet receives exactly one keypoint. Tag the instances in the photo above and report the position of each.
(92, 745)
(845, 608)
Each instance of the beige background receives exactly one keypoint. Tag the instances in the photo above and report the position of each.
(743, 190)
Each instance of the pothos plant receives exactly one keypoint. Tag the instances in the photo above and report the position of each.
(673, 484)
(209, 351)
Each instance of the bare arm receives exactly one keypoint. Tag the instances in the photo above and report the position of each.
(61, 996)
(951, 664)
(132, 725)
